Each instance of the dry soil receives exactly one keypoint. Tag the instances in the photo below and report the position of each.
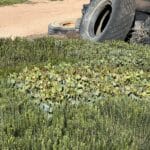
(33, 17)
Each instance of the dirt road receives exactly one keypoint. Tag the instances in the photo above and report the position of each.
(33, 17)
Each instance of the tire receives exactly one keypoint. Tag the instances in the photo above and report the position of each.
(58, 28)
(141, 31)
(107, 20)
(146, 41)
(84, 9)
(147, 23)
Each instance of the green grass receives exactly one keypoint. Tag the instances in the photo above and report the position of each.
(10, 2)
(14, 55)
(113, 121)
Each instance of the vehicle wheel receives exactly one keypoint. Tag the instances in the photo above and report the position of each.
(61, 27)
(84, 9)
(147, 23)
(107, 20)
(146, 40)
(141, 30)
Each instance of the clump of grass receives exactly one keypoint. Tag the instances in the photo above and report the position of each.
(10, 2)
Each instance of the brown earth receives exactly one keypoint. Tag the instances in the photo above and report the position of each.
(33, 17)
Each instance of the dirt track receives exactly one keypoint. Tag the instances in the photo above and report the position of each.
(32, 18)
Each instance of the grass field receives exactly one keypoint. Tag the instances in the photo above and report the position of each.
(104, 103)
(10, 2)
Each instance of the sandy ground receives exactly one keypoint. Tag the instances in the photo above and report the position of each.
(33, 17)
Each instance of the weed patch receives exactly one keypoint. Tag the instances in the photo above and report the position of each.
(102, 91)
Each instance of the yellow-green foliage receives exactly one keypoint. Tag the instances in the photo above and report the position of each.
(81, 82)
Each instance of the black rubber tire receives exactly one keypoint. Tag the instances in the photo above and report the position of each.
(147, 23)
(120, 16)
(58, 28)
(141, 31)
(146, 41)
(84, 9)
